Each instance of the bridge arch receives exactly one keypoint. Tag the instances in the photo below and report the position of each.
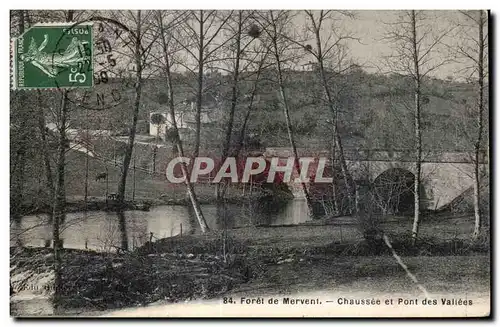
(445, 175)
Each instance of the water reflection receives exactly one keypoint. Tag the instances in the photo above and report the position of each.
(108, 231)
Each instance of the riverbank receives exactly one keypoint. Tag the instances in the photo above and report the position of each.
(258, 260)
(142, 189)
(98, 281)
(172, 196)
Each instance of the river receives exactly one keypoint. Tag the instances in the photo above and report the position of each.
(99, 230)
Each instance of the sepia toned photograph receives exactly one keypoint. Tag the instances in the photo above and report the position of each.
(250, 163)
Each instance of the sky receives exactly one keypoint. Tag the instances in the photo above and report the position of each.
(370, 49)
(370, 26)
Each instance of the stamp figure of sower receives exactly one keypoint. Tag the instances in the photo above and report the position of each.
(50, 63)
(54, 57)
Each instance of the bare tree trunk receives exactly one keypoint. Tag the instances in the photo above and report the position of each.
(18, 162)
(130, 146)
(199, 94)
(351, 187)
(234, 99)
(87, 144)
(477, 145)
(45, 151)
(46, 162)
(177, 140)
(138, 88)
(133, 181)
(477, 203)
(337, 146)
(122, 225)
(241, 137)
(44, 146)
(155, 150)
(287, 116)
(335, 199)
(418, 131)
(60, 194)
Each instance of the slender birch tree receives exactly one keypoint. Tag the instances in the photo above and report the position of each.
(275, 23)
(241, 58)
(473, 51)
(59, 209)
(164, 24)
(140, 45)
(20, 132)
(138, 65)
(416, 53)
(200, 40)
(325, 49)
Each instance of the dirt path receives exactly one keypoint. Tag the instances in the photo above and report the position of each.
(451, 274)
(331, 279)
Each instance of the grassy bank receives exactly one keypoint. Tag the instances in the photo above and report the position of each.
(98, 281)
(256, 260)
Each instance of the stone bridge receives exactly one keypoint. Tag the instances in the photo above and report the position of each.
(445, 175)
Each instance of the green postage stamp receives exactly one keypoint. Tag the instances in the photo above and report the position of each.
(53, 55)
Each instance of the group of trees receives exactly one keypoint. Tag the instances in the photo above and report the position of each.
(418, 52)
(255, 50)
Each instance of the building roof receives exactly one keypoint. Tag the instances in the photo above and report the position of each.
(207, 100)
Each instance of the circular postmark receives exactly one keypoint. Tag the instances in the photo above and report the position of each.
(107, 61)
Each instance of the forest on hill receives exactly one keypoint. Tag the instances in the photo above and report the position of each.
(268, 79)
(374, 110)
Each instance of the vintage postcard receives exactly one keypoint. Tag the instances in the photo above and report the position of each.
(250, 163)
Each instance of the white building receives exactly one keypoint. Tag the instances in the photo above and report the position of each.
(184, 120)
(186, 117)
